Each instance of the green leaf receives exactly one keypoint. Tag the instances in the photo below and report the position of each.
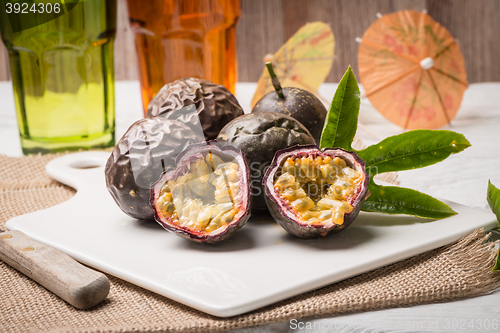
(493, 199)
(411, 150)
(399, 200)
(497, 265)
(342, 118)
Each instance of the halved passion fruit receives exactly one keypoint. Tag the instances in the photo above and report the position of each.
(206, 198)
(312, 192)
(146, 150)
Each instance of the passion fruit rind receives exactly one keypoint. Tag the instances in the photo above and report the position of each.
(206, 198)
(340, 184)
(198, 103)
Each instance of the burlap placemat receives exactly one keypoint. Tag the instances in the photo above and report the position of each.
(461, 269)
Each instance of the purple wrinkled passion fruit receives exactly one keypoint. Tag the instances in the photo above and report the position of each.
(207, 197)
(259, 135)
(312, 192)
(200, 104)
(146, 150)
(299, 104)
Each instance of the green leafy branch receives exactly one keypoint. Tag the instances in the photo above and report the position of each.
(406, 151)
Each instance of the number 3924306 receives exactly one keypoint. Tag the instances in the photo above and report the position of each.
(25, 8)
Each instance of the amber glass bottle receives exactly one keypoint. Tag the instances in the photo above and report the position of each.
(181, 38)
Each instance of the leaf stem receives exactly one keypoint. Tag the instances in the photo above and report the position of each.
(275, 80)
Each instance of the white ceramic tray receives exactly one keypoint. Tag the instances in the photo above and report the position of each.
(261, 264)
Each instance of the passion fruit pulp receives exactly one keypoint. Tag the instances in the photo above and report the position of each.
(312, 192)
(206, 198)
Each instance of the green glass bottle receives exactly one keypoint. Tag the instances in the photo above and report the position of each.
(63, 74)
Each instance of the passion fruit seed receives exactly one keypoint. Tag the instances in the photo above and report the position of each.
(318, 189)
(204, 199)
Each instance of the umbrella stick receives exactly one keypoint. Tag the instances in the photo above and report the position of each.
(275, 80)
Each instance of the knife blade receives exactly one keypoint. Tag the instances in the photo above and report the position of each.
(78, 285)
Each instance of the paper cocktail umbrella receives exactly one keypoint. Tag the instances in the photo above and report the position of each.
(412, 70)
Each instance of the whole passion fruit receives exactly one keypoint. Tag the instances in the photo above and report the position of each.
(312, 192)
(259, 135)
(146, 150)
(206, 198)
(299, 104)
(201, 104)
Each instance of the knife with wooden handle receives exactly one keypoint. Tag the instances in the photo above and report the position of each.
(78, 285)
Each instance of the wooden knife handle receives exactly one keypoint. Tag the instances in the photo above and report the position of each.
(78, 285)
